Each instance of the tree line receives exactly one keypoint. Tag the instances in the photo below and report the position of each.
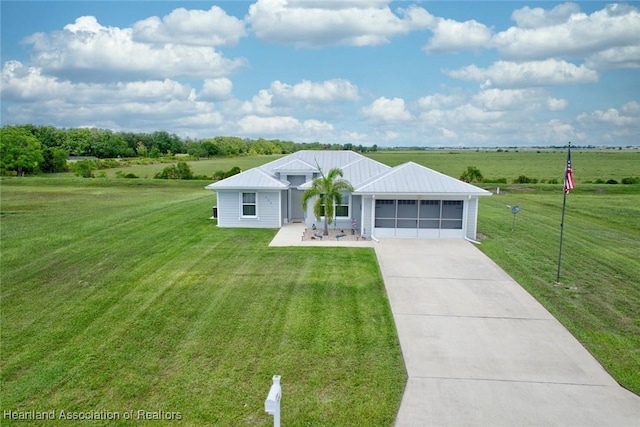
(27, 149)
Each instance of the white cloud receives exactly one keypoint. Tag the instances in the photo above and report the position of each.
(316, 23)
(615, 58)
(255, 125)
(259, 104)
(211, 27)
(89, 51)
(387, 110)
(206, 120)
(448, 133)
(555, 104)
(560, 131)
(517, 100)
(216, 89)
(454, 36)
(631, 108)
(282, 98)
(504, 74)
(474, 114)
(308, 91)
(37, 98)
(566, 32)
(505, 99)
(538, 17)
(22, 83)
(440, 100)
(628, 115)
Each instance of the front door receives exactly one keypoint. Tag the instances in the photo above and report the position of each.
(296, 213)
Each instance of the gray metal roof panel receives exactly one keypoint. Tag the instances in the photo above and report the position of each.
(296, 165)
(411, 178)
(255, 178)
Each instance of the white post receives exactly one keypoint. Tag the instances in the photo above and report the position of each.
(272, 404)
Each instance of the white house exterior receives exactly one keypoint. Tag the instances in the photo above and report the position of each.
(408, 200)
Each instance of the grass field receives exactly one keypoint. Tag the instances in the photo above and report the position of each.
(589, 165)
(201, 167)
(121, 295)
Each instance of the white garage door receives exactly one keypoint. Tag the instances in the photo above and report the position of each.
(419, 218)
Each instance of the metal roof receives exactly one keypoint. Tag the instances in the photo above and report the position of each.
(254, 178)
(367, 176)
(412, 178)
(324, 159)
(296, 165)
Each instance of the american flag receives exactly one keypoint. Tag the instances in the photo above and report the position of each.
(569, 184)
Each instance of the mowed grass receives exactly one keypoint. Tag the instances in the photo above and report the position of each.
(598, 297)
(121, 295)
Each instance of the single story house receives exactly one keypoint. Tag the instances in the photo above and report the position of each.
(408, 200)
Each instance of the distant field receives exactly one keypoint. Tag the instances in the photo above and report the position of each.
(589, 165)
(201, 167)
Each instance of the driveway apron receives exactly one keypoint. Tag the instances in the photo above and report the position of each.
(480, 351)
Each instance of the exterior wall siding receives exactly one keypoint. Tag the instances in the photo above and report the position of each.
(284, 206)
(272, 209)
(367, 218)
(230, 210)
(472, 218)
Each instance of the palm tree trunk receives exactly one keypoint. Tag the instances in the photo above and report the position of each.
(325, 232)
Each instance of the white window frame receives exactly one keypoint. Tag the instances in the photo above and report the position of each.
(346, 196)
(243, 204)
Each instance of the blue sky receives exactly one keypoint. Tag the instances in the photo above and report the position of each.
(425, 73)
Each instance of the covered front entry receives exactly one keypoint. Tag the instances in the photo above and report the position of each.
(419, 218)
(296, 213)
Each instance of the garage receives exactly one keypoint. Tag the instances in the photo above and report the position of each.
(412, 201)
(419, 218)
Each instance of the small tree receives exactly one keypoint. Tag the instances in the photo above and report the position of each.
(20, 151)
(84, 168)
(179, 171)
(472, 174)
(328, 189)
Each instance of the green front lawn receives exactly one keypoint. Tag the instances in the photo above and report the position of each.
(123, 296)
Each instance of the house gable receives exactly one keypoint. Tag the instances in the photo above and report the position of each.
(411, 178)
(253, 179)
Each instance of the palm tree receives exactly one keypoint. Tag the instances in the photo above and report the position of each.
(328, 189)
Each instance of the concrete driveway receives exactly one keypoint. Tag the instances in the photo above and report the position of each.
(480, 351)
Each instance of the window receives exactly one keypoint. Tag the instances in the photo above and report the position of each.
(249, 205)
(340, 210)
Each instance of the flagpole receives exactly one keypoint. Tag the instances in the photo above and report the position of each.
(566, 187)
(564, 204)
